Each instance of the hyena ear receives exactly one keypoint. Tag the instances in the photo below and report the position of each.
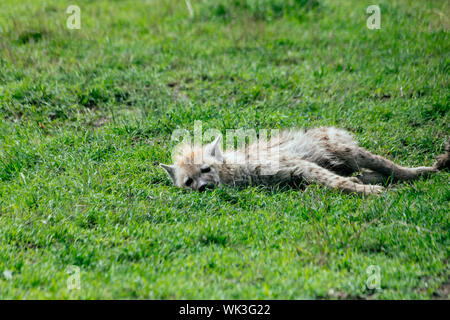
(171, 170)
(214, 148)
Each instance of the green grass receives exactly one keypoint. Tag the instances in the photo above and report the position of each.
(85, 114)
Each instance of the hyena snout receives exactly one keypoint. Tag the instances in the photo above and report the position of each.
(204, 186)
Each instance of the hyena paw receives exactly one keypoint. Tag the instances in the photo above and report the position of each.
(355, 180)
(373, 189)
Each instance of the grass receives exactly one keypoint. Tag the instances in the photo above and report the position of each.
(85, 114)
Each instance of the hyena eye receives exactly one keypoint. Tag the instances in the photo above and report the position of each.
(189, 182)
(205, 170)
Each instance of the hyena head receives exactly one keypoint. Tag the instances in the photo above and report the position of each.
(196, 167)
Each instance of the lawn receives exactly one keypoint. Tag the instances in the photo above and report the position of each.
(86, 114)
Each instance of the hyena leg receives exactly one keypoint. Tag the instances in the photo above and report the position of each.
(371, 177)
(365, 159)
(312, 172)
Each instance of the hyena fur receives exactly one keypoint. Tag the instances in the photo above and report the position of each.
(327, 155)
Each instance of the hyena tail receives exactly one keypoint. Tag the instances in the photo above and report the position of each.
(443, 160)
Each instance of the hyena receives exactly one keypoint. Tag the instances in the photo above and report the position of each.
(327, 155)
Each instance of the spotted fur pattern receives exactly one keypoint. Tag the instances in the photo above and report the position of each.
(327, 155)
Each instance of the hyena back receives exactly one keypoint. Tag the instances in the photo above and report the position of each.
(328, 156)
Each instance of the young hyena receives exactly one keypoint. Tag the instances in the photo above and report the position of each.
(328, 156)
